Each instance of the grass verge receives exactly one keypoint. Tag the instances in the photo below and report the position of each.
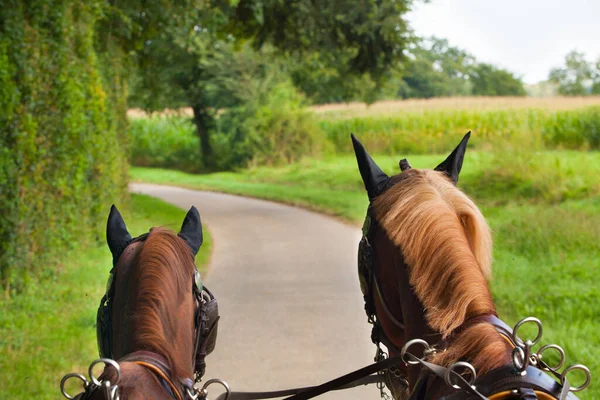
(49, 329)
(543, 208)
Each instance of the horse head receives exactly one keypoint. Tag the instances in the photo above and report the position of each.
(156, 320)
(425, 259)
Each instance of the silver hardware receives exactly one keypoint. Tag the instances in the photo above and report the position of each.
(545, 365)
(111, 392)
(522, 356)
(198, 280)
(524, 321)
(580, 367)
(409, 344)
(106, 361)
(450, 371)
(204, 391)
(66, 378)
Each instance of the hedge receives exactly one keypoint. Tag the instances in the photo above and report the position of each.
(62, 155)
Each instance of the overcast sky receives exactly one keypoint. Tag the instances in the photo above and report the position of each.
(527, 37)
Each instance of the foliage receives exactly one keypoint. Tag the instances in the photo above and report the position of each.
(168, 142)
(61, 144)
(573, 79)
(432, 131)
(271, 129)
(193, 57)
(435, 69)
(488, 80)
(49, 329)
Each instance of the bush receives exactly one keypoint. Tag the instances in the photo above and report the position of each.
(166, 142)
(273, 129)
(61, 151)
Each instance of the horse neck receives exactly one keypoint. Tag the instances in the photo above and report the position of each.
(395, 279)
(155, 318)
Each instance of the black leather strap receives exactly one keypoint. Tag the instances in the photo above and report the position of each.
(347, 379)
(367, 380)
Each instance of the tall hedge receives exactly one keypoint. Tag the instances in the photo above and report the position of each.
(62, 156)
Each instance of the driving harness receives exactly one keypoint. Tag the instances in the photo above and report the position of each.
(530, 382)
(206, 319)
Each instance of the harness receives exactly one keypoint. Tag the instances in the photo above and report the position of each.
(205, 320)
(527, 379)
(206, 317)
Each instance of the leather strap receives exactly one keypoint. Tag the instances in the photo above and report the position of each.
(347, 379)
(367, 380)
(162, 375)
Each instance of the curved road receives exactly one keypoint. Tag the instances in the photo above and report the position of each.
(289, 299)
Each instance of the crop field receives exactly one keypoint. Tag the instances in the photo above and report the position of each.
(532, 171)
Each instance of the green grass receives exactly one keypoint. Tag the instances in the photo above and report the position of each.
(49, 329)
(543, 207)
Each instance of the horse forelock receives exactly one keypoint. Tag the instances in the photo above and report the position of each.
(446, 244)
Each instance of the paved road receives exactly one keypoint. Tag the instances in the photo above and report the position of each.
(288, 292)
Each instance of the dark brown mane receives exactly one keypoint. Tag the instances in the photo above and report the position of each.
(162, 274)
(447, 245)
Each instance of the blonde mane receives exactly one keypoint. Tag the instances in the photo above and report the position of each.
(447, 246)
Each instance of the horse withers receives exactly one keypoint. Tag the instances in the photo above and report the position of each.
(424, 262)
(156, 319)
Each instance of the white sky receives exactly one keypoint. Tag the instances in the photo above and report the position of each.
(527, 37)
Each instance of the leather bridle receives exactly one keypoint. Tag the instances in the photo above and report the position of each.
(530, 383)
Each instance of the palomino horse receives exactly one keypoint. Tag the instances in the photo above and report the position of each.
(156, 319)
(424, 262)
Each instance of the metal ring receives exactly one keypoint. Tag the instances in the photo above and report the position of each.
(524, 321)
(66, 378)
(408, 344)
(560, 351)
(519, 359)
(106, 361)
(219, 381)
(586, 371)
(450, 371)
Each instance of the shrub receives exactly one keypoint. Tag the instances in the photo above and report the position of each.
(61, 151)
(167, 142)
(273, 129)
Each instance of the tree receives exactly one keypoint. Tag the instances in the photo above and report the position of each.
(435, 69)
(596, 79)
(573, 79)
(488, 80)
(438, 69)
(180, 63)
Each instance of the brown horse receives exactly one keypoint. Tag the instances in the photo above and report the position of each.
(424, 262)
(153, 318)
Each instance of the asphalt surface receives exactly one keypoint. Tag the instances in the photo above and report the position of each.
(289, 298)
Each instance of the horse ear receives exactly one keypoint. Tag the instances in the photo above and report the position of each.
(191, 230)
(117, 235)
(373, 177)
(453, 164)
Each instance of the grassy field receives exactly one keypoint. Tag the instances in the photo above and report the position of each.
(543, 207)
(49, 330)
(510, 124)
